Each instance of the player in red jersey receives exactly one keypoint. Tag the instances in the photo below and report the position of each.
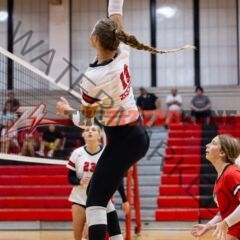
(222, 152)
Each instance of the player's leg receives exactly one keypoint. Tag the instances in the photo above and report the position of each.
(126, 146)
(79, 219)
(193, 116)
(7, 145)
(24, 148)
(43, 145)
(207, 116)
(31, 148)
(85, 232)
(113, 226)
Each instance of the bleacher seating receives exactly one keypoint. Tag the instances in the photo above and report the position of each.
(185, 191)
(73, 139)
(39, 192)
(34, 192)
(180, 169)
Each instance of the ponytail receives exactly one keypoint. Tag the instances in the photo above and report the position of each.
(132, 41)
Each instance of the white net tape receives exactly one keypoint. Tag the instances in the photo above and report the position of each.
(25, 159)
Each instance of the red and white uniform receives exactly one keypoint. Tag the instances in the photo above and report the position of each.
(227, 195)
(109, 86)
(82, 162)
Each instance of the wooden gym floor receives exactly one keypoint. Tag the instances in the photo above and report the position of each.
(67, 235)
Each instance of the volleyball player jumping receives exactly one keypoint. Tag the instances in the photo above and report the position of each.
(107, 95)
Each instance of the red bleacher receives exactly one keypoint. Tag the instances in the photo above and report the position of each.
(178, 202)
(184, 168)
(31, 214)
(34, 192)
(179, 190)
(183, 159)
(180, 214)
(176, 190)
(38, 192)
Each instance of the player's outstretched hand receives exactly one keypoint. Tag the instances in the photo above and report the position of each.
(199, 229)
(221, 230)
(63, 107)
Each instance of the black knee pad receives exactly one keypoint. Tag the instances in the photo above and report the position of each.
(97, 230)
(113, 224)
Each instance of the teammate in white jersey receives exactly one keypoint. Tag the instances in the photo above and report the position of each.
(107, 95)
(81, 165)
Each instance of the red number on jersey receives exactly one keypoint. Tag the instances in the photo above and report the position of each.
(89, 167)
(86, 166)
(93, 165)
(125, 77)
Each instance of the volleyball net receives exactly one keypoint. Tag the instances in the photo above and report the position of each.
(30, 106)
(32, 87)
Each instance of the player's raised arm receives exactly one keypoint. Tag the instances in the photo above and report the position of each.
(115, 12)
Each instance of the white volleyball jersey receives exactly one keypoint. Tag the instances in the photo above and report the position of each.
(109, 86)
(83, 163)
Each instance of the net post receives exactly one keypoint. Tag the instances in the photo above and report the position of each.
(136, 200)
(129, 197)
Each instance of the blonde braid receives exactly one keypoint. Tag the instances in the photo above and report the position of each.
(132, 41)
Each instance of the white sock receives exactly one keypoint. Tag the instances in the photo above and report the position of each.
(96, 215)
(117, 237)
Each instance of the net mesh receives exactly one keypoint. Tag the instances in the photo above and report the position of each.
(37, 95)
(32, 86)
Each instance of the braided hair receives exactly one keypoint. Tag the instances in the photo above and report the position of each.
(110, 37)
